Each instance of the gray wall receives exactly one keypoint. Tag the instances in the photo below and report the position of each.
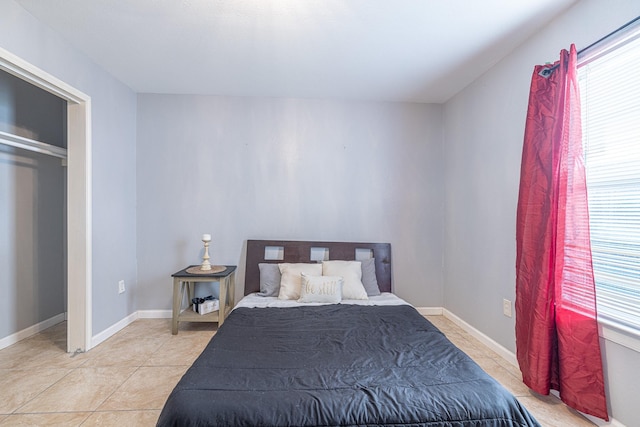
(114, 156)
(243, 168)
(484, 130)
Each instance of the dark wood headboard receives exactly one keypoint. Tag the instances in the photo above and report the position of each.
(299, 251)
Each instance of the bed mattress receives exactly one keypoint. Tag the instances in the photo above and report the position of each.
(342, 364)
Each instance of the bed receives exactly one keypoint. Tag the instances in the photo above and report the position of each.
(373, 361)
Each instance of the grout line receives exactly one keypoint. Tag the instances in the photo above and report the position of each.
(116, 389)
(15, 411)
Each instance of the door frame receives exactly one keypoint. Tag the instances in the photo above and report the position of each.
(79, 254)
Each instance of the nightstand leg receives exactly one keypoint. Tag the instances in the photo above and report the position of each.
(232, 290)
(191, 291)
(177, 300)
(224, 282)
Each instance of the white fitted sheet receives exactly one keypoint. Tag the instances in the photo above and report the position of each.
(256, 301)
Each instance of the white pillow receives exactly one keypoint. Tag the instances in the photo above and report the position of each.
(351, 272)
(326, 289)
(369, 279)
(291, 280)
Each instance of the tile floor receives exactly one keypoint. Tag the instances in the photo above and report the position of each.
(548, 410)
(126, 380)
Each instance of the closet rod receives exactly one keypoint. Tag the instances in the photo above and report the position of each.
(32, 145)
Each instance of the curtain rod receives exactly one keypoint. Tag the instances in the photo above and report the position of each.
(595, 50)
(626, 27)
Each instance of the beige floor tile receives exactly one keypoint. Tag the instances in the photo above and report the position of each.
(160, 328)
(38, 354)
(147, 388)
(196, 328)
(84, 389)
(11, 357)
(17, 387)
(122, 419)
(446, 326)
(57, 419)
(503, 376)
(551, 412)
(513, 370)
(46, 349)
(55, 335)
(124, 350)
(472, 347)
(179, 350)
(478, 344)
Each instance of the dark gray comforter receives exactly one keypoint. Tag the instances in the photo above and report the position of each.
(337, 365)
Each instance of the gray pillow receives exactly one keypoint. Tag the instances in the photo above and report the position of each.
(269, 280)
(369, 279)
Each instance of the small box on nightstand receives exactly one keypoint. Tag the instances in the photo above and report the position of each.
(206, 306)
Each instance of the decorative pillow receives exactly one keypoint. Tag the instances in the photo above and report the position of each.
(351, 272)
(291, 278)
(269, 280)
(369, 279)
(326, 289)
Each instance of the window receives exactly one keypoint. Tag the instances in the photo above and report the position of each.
(610, 95)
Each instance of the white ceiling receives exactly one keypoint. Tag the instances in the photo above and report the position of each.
(394, 50)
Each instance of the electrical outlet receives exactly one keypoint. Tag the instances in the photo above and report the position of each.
(506, 307)
(121, 286)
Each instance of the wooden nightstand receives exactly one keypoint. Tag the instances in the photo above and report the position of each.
(183, 280)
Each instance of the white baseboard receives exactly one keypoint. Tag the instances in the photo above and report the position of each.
(155, 314)
(601, 423)
(117, 327)
(597, 421)
(429, 311)
(484, 339)
(113, 329)
(32, 330)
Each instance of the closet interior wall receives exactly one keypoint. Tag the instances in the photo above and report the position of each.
(32, 209)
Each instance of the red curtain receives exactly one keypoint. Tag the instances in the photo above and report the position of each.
(556, 327)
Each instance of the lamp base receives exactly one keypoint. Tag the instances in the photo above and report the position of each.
(214, 269)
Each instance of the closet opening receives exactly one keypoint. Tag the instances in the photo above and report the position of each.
(45, 200)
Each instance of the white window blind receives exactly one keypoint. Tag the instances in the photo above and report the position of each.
(610, 96)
